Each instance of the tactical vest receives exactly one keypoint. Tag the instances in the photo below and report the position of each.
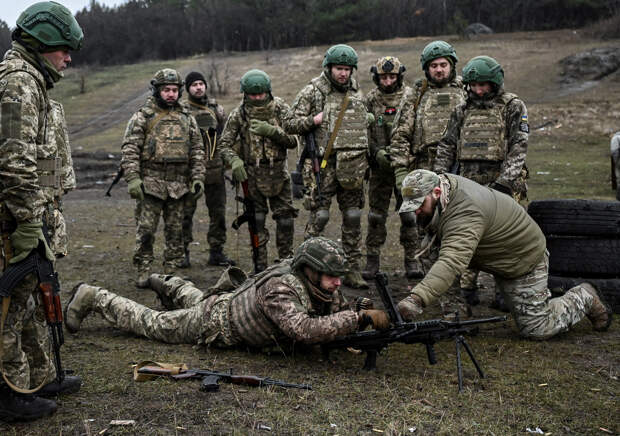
(483, 133)
(433, 114)
(384, 108)
(248, 323)
(206, 118)
(259, 150)
(167, 138)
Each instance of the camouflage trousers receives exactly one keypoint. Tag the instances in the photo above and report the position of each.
(380, 188)
(26, 354)
(350, 203)
(536, 314)
(282, 211)
(192, 317)
(215, 199)
(147, 215)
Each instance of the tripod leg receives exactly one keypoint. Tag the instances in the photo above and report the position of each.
(459, 367)
(471, 355)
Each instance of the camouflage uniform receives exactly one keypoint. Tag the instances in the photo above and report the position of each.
(382, 182)
(344, 172)
(162, 147)
(265, 160)
(208, 116)
(487, 138)
(36, 167)
(273, 309)
(615, 155)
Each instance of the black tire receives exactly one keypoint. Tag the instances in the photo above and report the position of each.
(609, 288)
(577, 217)
(585, 257)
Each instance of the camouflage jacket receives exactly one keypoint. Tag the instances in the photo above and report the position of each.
(210, 115)
(384, 107)
(276, 309)
(254, 150)
(416, 130)
(164, 148)
(512, 137)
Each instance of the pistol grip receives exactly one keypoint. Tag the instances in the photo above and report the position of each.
(210, 383)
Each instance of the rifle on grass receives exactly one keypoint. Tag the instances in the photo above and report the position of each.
(249, 216)
(423, 332)
(117, 179)
(211, 379)
(309, 152)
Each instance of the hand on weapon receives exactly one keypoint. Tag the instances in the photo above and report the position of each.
(197, 189)
(238, 170)
(384, 160)
(136, 189)
(27, 237)
(410, 307)
(378, 319)
(263, 128)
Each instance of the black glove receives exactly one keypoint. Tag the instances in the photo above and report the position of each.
(501, 188)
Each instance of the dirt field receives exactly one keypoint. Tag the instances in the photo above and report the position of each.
(568, 385)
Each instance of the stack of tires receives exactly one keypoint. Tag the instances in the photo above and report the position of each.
(583, 239)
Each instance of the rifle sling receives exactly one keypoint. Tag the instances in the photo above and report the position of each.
(332, 138)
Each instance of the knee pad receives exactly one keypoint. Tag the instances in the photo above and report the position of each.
(321, 218)
(260, 218)
(375, 219)
(408, 219)
(352, 217)
(285, 224)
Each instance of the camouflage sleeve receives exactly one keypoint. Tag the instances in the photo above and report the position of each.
(64, 152)
(282, 138)
(19, 127)
(402, 131)
(220, 114)
(446, 149)
(282, 305)
(299, 119)
(133, 143)
(373, 145)
(232, 130)
(517, 129)
(197, 151)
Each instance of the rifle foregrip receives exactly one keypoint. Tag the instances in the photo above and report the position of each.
(48, 302)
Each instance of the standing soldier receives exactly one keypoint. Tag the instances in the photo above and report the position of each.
(382, 102)
(255, 146)
(163, 161)
(419, 125)
(35, 164)
(210, 118)
(615, 161)
(331, 108)
(486, 140)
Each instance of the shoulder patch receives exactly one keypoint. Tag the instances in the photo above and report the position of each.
(11, 119)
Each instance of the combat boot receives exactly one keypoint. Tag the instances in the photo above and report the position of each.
(70, 384)
(186, 263)
(353, 279)
(413, 270)
(23, 407)
(600, 313)
(218, 258)
(158, 284)
(372, 266)
(80, 305)
(471, 296)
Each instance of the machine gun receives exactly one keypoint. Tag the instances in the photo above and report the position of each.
(309, 152)
(423, 332)
(249, 216)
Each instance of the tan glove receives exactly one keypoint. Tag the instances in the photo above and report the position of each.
(378, 319)
(410, 307)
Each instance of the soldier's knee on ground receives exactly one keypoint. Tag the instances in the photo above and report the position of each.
(375, 219)
(533, 327)
(352, 217)
(321, 218)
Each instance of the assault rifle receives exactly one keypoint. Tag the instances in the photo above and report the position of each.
(38, 263)
(309, 152)
(117, 179)
(249, 216)
(424, 332)
(211, 379)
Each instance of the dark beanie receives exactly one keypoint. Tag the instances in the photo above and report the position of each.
(192, 77)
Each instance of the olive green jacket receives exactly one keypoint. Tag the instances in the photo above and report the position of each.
(483, 229)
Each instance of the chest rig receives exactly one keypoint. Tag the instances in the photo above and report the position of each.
(167, 138)
(434, 111)
(260, 150)
(384, 108)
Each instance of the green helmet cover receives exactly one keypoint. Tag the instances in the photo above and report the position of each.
(483, 69)
(167, 76)
(340, 54)
(51, 24)
(322, 255)
(437, 49)
(255, 82)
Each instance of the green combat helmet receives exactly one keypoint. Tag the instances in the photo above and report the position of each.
(51, 24)
(437, 49)
(322, 255)
(387, 65)
(483, 69)
(166, 76)
(340, 54)
(255, 82)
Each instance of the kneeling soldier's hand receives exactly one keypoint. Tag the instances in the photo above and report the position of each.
(410, 307)
(135, 189)
(238, 170)
(378, 319)
(263, 128)
(197, 189)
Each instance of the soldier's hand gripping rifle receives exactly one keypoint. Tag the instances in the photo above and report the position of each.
(211, 379)
(423, 332)
(309, 152)
(249, 216)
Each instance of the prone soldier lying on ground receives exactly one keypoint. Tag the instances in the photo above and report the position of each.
(297, 300)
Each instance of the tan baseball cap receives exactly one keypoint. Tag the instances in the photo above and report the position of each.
(416, 186)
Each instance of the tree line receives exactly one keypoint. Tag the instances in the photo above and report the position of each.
(166, 29)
